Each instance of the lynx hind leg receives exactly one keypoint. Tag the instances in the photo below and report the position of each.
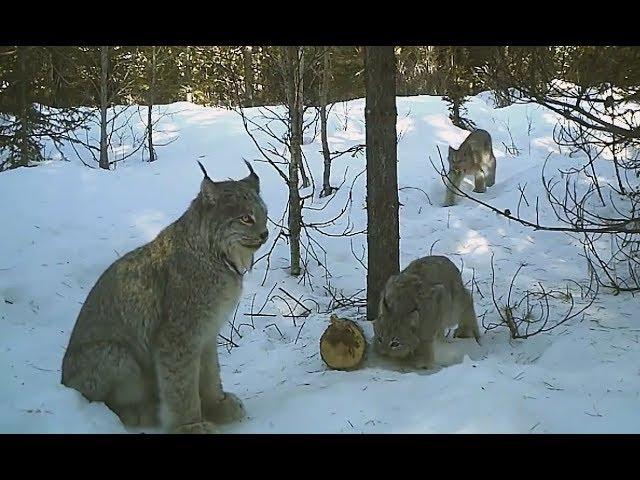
(109, 373)
(468, 322)
(455, 178)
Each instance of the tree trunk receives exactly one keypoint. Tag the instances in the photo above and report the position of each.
(152, 91)
(104, 64)
(300, 107)
(455, 112)
(23, 131)
(327, 189)
(56, 79)
(189, 74)
(295, 122)
(248, 76)
(383, 230)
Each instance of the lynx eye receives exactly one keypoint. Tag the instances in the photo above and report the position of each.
(248, 219)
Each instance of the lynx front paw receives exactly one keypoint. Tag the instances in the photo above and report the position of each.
(424, 360)
(139, 416)
(466, 332)
(423, 364)
(197, 427)
(229, 409)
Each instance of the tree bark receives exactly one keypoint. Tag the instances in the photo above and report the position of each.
(104, 65)
(455, 112)
(383, 229)
(327, 189)
(23, 132)
(248, 76)
(295, 142)
(300, 99)
(151, 100)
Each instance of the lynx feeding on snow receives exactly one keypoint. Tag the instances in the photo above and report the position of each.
(417, 305)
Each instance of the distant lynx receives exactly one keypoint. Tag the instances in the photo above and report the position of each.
(474, 157)
(417, 305)
(145, 341)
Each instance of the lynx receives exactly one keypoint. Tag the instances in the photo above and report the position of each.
(145, 340)
(417, 305)
(474, 157)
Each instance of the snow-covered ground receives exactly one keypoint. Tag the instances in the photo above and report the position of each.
(62, 224)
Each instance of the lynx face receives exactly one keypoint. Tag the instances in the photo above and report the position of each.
(234, 216)
(461, 160)
(396, 328)
(408, 311)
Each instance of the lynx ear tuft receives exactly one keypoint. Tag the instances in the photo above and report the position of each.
(204, 171)
(252, 179)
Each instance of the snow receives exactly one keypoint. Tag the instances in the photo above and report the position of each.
(63, 224)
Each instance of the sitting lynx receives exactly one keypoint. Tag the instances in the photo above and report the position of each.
(417, 305)
(474, 157)
(145, 341)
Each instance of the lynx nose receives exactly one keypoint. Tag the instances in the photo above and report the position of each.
(264, 235)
